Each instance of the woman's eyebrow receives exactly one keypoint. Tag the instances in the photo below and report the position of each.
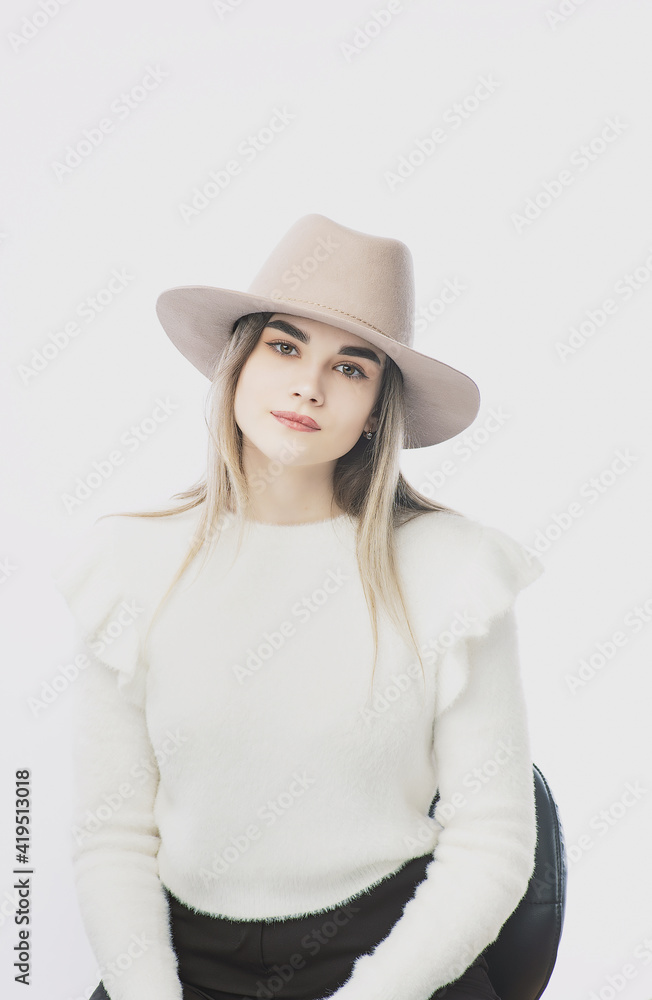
(352, 350)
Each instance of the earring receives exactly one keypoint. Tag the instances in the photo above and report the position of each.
(368, 434)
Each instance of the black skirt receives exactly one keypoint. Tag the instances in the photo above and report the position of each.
(302, 958)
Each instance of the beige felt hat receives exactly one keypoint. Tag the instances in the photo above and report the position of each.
(363, 284)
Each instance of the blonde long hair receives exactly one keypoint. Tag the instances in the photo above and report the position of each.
(367, 482)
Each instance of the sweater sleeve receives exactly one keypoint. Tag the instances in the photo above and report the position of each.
(484, 857)
(114, 838)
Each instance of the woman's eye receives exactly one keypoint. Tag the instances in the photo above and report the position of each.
(344, 364)
(279, 343)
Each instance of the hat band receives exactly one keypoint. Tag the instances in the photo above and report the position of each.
(320, 305)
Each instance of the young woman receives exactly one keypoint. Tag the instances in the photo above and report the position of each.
(280, 673)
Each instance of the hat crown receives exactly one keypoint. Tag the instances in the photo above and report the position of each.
(319, 263)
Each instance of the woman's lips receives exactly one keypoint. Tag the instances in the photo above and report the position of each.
(295, 425)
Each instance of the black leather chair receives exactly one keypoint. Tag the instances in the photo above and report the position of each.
(522, 957)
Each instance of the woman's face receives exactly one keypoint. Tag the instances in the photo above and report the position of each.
(309, 368)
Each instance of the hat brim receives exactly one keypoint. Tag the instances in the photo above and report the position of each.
(440, 400)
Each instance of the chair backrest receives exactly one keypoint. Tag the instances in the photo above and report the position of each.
(522, 957)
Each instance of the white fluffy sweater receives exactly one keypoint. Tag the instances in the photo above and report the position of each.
(242, 759)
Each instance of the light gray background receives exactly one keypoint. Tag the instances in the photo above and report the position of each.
(561, 70)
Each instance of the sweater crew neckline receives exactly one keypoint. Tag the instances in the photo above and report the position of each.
(298, 524)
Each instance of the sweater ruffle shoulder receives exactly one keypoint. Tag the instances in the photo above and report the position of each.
(461, 576)
(112, 580)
